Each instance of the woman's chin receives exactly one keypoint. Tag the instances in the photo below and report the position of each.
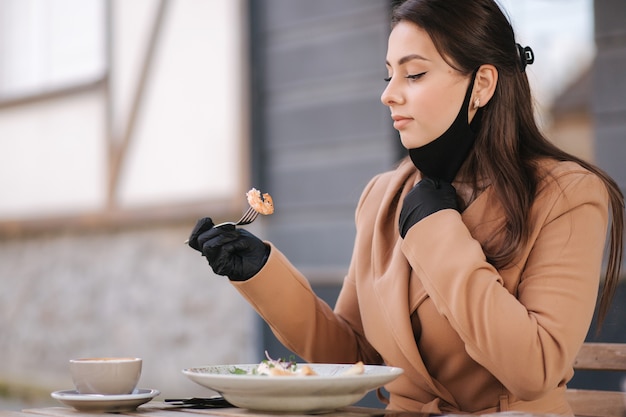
(406, 143)
(412, 143)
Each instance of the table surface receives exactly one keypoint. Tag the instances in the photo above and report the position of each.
(161, 409)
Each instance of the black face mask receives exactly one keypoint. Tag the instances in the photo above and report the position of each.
(442, 158)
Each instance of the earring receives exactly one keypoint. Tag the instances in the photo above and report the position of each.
(476, 103)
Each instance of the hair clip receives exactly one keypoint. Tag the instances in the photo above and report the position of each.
(526, 56)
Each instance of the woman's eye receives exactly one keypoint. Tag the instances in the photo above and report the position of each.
(409, 76)
(415, 76)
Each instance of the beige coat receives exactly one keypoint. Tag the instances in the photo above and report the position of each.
(488, 340)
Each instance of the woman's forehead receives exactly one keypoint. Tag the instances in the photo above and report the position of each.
(409, 40)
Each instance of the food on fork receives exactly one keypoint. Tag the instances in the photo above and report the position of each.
(263, 204)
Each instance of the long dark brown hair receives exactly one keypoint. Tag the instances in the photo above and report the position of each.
(509, 144)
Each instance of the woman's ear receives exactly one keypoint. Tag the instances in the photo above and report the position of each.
(485, 84)
(484, 87)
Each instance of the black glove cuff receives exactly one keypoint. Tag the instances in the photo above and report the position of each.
(250, 272)
(427, 197)
(409, 221)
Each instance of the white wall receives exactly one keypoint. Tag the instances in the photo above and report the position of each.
(137, 291)
(187, 142)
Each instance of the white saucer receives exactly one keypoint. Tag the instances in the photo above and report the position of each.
(108, 403)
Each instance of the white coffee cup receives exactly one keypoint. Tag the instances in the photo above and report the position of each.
(107, 376)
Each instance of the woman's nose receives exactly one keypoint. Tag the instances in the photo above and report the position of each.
(390, 95)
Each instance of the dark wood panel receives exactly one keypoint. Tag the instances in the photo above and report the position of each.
(330, 122)
(608, 103)
(323, 185)
(319, 130)
(608, 79)
(320, 57)
(281, 14)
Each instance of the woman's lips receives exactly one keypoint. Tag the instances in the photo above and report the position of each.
(399, 122)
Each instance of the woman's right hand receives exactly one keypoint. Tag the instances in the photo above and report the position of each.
(235, 253)
(427, 197)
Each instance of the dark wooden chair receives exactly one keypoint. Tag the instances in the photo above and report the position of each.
(599, 357)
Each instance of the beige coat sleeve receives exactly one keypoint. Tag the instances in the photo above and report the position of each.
(527, 340)
(304, 323)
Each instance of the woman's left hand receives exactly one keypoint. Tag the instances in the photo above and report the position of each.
(427, 197)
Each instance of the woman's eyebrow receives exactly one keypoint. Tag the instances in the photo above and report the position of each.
(408, 58)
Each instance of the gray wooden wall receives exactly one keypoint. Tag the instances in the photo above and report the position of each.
(609, 87)
(320, 131)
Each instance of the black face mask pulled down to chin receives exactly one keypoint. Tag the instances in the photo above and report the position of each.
(442, 158)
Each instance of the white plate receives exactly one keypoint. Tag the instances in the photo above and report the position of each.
(323, 392)
(105, 403)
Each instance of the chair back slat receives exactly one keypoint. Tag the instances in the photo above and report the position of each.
(599, 357)
(590, 403)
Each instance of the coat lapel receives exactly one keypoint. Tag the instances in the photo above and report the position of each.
(391, 275)
(397, 336)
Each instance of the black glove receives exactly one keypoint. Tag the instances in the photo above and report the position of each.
(235, 253)
(427, 197)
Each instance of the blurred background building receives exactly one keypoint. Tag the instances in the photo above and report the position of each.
(123, 122)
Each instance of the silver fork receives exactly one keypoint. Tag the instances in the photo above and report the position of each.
(248, 217)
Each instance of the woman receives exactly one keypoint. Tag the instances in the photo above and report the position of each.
(476, 262)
